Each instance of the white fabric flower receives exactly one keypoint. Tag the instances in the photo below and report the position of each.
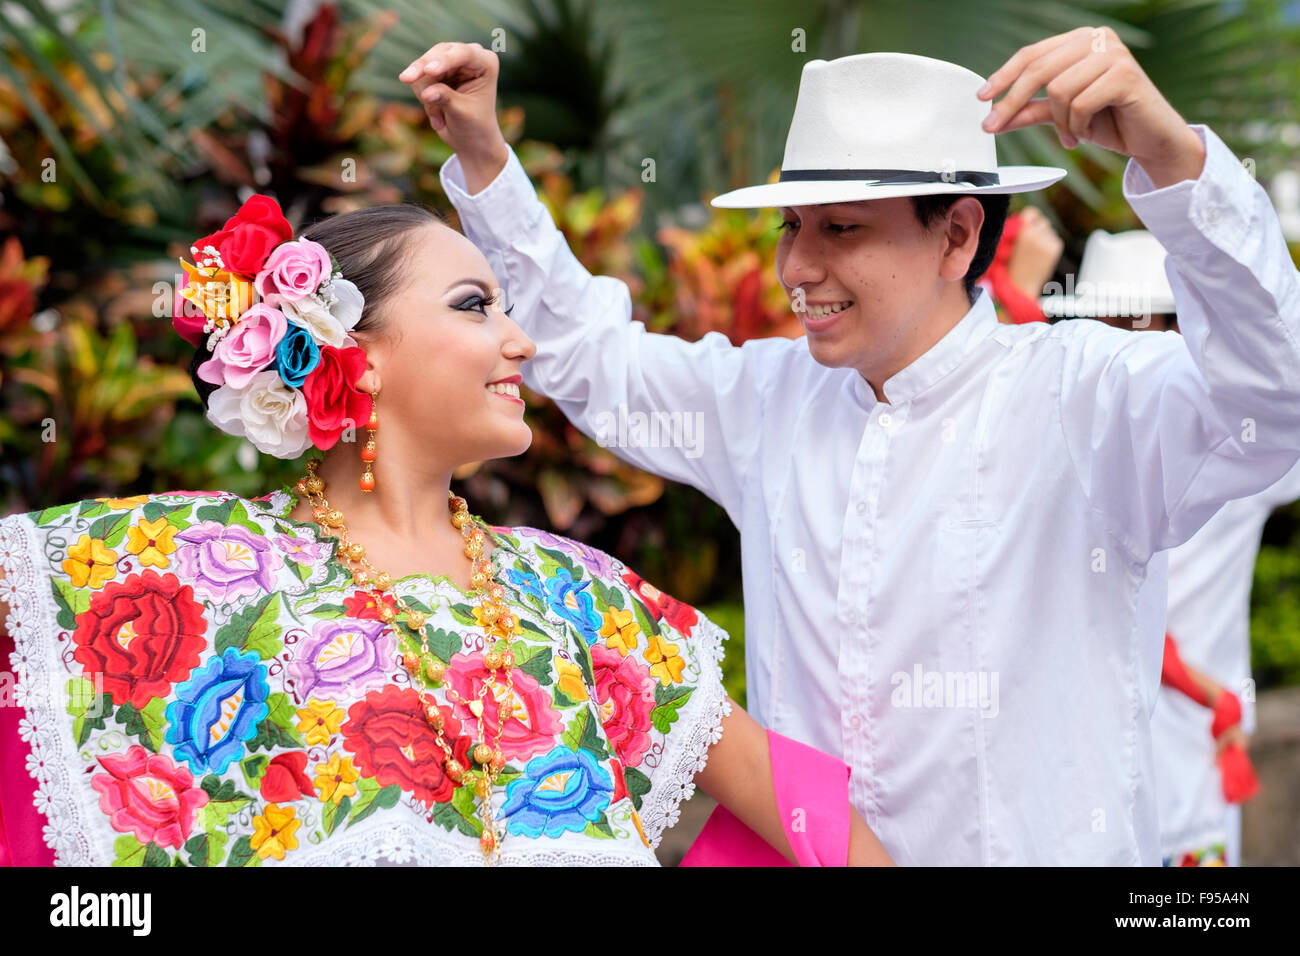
(267, 412)
(328, 315)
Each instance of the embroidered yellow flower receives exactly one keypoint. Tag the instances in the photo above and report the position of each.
(152, 541)
(620, 630)
(319, 720)
(335, 779)
(90, 562)
(273, 831)
(570, 680)
(119, 504)
(665, 663)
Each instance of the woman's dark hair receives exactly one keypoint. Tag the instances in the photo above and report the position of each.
(930, 208)
(372, 247)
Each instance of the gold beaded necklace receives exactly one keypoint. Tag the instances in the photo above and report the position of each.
(499, 623)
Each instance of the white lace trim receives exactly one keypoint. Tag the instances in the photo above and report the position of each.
(31, 623)
(686, 754)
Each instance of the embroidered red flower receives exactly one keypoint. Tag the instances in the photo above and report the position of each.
(394, 744)
(142, 635)
(249, 235)
(362, 605)
(681, 617)
(625, 693)
(284, 780)
(148, 795)
(333, 400)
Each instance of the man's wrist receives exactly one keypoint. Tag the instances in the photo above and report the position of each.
(1185, 161)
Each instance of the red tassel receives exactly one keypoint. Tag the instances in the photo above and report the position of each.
(1019, 306)
(1227, 713)
(1174, 674)
(1239, 780)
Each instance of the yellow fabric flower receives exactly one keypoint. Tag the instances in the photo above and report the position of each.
(120, 504)
(570, 679)
(664, 661)
(90, 562)
(335, 779)
(273, 831)
(620, 630)
(319, 720)
(222, 295)
(152, 541)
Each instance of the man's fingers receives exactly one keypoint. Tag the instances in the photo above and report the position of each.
(1035, 111)
(460, 62)
(1008, 72)
(1036, 75)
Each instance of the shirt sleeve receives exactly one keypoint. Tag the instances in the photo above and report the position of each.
(689, 411)
(1162, 428)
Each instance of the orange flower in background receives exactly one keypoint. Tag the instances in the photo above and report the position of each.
(90, 562)
(19, 280)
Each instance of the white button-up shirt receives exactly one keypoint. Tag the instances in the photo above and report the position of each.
(1210, 577)
(947, 590)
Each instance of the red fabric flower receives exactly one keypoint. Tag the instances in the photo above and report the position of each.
(333, 400)
(620, 785)
(362, 605)
(661, 607)
(625, 693)
(284, 780)
(394, 744)
(142, 635)
(249, 236)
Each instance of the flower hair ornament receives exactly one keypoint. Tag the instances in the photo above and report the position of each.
(276, 312)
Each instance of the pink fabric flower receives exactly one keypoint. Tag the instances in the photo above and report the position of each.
(531, 724)
(293, 270)
(247, 349)
(149, 795)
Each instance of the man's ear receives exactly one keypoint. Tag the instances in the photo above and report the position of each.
(964, 221)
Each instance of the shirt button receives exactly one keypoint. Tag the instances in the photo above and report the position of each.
(886, 419)
(862, 507)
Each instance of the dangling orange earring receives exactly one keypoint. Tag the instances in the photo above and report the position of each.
(368, 452)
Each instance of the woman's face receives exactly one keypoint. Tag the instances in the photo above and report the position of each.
(446, 358)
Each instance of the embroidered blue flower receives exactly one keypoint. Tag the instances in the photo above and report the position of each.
(217, 710)
(296, 356)
(571, 601)
(527, 581)
(561, 790)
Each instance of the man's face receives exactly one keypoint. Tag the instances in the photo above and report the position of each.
(866, 279)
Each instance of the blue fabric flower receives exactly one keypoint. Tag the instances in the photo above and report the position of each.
(527, 581)
(217, 710)
(561, 790)
(296, 356)
(582, 614)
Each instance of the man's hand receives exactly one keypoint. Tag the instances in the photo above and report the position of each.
(1096, 93)
(456, 83)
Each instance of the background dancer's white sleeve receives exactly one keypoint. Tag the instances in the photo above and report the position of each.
(1163, 429)
(689, 411)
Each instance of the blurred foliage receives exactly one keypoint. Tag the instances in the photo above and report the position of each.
(128, 129)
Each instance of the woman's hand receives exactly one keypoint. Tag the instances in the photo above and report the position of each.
(456, 83)
(1034, 253)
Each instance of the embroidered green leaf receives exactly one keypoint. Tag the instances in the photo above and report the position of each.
(600, 829)
(58, 511)
(129, 851)
(89, 712)
(154, 855)
(333, 813)
(538, 666)
(93, 509)
(302, 570)
(592, 742)
(528, 625)
(282, 713)
(367, 788)
(664, 693)
(146, 724)
(443, 644)
(180, 518)
(608, 596)
(220, 513)
(271, 735)
(557, 558)
(637, 783)
(111, 527)
(254, 768)
(665, 715)
(577, 727)
(388, 797)
(206, 849)
(242, 852)
(648, 624)
(70, 601)
(326, 612)
(463, 801)
(223, 800)
(463, 614)
(239, 515)
(449, 818)
(255, 628)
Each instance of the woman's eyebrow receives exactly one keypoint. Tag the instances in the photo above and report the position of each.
(475, 282)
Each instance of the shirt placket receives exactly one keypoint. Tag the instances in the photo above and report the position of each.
(859, 559)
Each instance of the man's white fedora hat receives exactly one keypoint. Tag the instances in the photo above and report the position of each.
(1121, 275)
(881, 125)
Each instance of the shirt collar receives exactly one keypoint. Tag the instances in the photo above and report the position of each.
(945, 355)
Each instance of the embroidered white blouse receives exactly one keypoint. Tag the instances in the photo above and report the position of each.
(946, 590)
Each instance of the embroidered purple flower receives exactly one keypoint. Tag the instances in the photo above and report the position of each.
(225, 562)
(217, 710)
(301, 549)
(561, 790)
(342, 659)
(595, 561)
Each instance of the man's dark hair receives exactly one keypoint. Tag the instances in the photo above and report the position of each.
(929, 209)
